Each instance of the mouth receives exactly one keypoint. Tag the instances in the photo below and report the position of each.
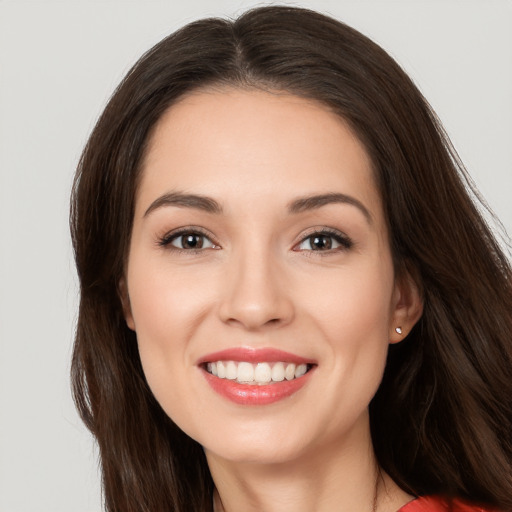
(259, 374)
(256, 376)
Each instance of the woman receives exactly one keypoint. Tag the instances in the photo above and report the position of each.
(288, 298)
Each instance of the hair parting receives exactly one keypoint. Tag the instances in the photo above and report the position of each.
(442, 418)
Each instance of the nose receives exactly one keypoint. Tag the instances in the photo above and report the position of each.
(256, 295)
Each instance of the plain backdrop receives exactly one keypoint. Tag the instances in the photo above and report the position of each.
(59, 62)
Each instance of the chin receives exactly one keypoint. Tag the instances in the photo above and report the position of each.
(260, 452)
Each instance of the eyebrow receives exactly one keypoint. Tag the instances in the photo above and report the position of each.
(299, 205)
(317, 201)
(198, 202)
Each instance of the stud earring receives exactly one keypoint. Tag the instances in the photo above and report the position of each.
(398, 330)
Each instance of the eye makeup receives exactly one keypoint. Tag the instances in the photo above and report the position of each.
(187, 238)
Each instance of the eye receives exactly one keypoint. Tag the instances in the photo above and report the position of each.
(187, 240)
(324, 241)
(191, 241)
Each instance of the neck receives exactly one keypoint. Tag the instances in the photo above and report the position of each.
(344, 477)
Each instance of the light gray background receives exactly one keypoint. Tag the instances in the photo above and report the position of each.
(59, 62)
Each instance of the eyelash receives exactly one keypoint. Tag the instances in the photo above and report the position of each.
(345, 243)
(167, 240)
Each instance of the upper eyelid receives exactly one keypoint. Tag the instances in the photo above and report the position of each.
(346, 241)
(323, 231)
(175, 233)
(172, 234)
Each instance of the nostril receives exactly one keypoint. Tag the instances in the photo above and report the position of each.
(254, 323)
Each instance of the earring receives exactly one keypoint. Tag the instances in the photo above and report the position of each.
(398, 330)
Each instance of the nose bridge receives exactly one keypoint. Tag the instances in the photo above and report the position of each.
(255, 295)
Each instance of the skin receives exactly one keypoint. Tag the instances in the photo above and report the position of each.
(257, 282)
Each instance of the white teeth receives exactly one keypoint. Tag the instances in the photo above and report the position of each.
(262, 373)
(289, 373)
(221, 370)
(300, 370)
(278, 372)
(231, 370)
(259, 373)
(245, 372)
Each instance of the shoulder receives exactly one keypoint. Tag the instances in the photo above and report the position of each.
(437, 504)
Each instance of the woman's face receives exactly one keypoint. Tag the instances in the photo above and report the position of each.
(259, 252)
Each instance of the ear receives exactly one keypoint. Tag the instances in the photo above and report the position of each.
(407, 307)
(125, 302)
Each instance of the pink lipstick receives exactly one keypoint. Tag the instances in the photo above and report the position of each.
(249, 376)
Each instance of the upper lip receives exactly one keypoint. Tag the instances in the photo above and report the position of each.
(254, 355)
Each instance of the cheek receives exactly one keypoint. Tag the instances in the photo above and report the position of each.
(354, 301)
(353, 311)
(168, 307)
(156, 313)
(165, 303)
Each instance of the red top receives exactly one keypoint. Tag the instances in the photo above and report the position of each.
(436, 504)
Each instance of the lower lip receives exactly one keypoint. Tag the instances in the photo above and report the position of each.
(255, 394)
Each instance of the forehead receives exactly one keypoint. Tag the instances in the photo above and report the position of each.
(248, 145)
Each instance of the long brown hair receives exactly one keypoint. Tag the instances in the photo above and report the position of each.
(442, 418)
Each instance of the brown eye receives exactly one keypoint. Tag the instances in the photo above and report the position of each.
(191, 241)
(320, 242)
(324, 242)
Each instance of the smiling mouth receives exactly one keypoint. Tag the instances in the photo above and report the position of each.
(260, 376)
(261, 373)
